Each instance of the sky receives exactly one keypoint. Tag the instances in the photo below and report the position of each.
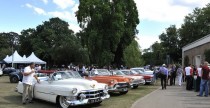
(155, 15)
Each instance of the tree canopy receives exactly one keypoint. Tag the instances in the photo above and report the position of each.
(108, 28)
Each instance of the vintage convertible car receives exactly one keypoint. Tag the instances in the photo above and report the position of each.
(68, 88)
(136, 80)
(116, 83)
(141, 72)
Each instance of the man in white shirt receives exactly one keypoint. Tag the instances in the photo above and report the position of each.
(188, 74)
(28, 76)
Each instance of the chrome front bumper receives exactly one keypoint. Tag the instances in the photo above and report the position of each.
(87, 101)
(119, 88)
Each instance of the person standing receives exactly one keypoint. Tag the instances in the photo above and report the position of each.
(204, 80)
(28, 75)
(179, 74)
(198, 80)
(164, 76)
(188, 74)
(173, 74)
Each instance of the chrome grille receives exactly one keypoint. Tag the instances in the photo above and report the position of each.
(91, 94)
(123, 85)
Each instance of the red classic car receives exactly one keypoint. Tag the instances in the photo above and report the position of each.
(115, 83)
(141, 72)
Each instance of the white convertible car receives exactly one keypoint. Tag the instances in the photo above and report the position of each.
(68, 88)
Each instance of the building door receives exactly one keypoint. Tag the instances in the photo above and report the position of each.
(197, 60)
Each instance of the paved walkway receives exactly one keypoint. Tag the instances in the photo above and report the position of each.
(172, 97)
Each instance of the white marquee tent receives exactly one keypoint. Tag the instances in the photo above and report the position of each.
(35, 59)
(16, 58)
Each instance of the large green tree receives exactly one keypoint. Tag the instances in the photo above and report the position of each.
(53, 42)
(108, 27)
(132, 55)
(196, 25)
(8, 43)
(170, 43)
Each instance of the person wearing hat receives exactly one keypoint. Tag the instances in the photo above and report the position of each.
(164, 76)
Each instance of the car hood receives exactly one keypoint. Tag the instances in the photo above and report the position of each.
(83, 84)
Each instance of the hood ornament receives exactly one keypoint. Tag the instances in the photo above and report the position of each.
(93, 86)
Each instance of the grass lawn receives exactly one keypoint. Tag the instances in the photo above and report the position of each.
(126, 101)
(11, 99)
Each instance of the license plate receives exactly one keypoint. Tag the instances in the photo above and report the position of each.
(124, 89)
(94, 100)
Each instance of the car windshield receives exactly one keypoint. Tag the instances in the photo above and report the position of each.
(126, 72)
(61, 75)
(75, 74)
(102, 72)
(118, 72)
(139, 71)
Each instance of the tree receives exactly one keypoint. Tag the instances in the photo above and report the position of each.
(170, 43)
(132, 55)
(8, 42)
(196, 25)
(108, 27)
(53, 42)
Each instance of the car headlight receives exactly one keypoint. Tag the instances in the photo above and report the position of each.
(74, 90)
(131, 80)
(106, 87)
(112, 81)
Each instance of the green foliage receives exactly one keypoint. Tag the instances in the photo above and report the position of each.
(132, 55)
(7, 42)
(53, 42)
(196, 25)
(108, 28)
(207, 55)
(186, 61)
(170, 43)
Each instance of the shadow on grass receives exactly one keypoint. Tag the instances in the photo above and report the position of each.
(15, 101)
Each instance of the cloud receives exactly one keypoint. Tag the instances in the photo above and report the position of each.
(63, 4)
(45, 1)
(167, 10)
(70, 16)
(36, 9)
(74, 27)
(147, 41)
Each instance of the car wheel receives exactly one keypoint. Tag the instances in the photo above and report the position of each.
(61, 101)
(124, 92)
(14, 79)
(135, 87)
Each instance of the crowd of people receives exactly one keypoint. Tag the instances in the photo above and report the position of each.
(197, 78)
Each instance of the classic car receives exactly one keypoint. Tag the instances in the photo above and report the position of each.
(8, 70)
(15, 77)
(67, 89)
(115, 83)
(136, 80)
(141, 72)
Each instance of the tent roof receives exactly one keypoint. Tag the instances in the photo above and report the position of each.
(15, 58)
(35, 59)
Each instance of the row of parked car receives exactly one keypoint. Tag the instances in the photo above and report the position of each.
(68, 88)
